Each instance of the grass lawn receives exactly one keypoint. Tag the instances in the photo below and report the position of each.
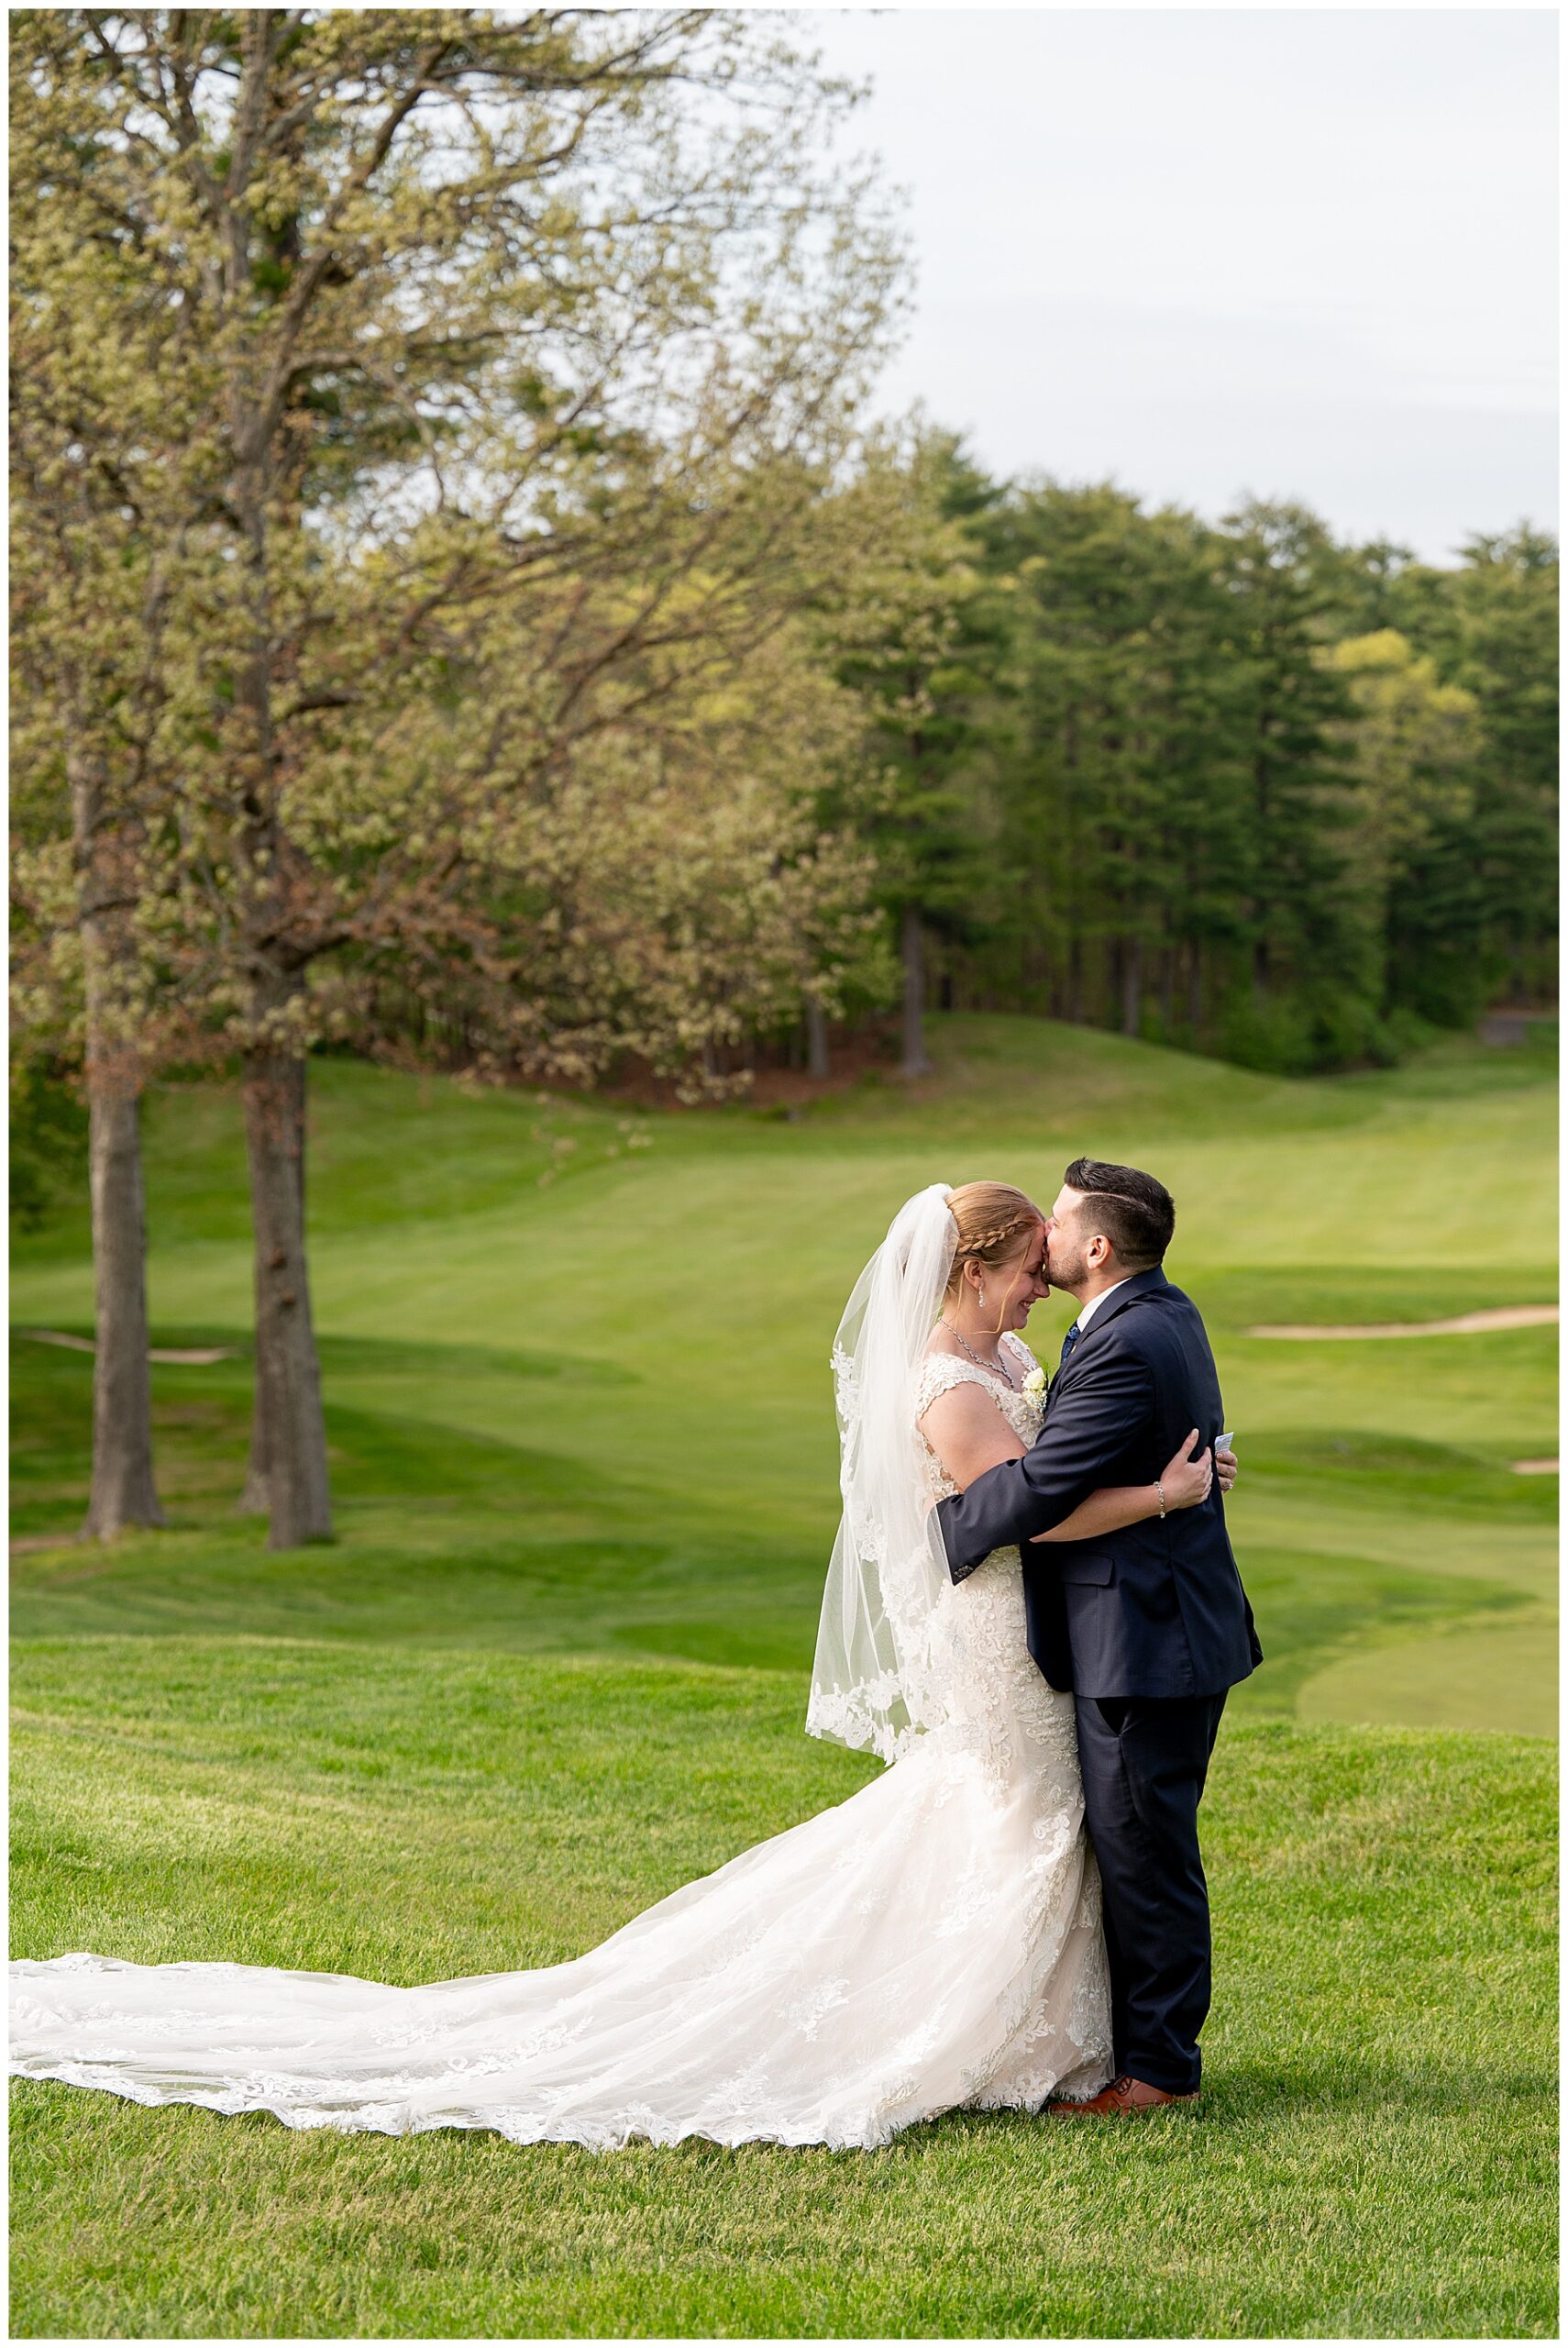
(584, 1483)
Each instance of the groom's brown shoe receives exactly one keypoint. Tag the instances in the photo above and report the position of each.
(1123, 2100)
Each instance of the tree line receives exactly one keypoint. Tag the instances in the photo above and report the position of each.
(462, 612)
(1239, 787)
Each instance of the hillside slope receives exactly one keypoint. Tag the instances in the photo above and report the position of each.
(575, 1356)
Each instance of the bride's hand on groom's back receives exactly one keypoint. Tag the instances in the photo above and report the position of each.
(1188, 1480)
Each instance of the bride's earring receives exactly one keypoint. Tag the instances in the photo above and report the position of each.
(982, 1296)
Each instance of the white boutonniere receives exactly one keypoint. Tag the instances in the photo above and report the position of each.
(1034, 1384)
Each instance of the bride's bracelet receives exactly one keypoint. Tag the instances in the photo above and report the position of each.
(1160, 1495)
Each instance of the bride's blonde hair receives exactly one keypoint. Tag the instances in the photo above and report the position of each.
(994, 1220)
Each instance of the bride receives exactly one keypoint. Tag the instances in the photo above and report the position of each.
(934, 1941)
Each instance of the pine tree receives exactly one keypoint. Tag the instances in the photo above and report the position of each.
(1313, 959)
(1505, 604)
(1413, 747)
(1123, 781)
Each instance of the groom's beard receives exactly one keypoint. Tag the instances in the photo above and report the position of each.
(1068, 1272)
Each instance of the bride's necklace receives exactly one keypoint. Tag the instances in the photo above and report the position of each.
(995, 1368)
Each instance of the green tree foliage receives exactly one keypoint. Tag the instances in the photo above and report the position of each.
(458, 607)
(913, 634)
(1505, 604)
(1120, 776)
(1474, 916)
(342, 331)
(1414, 745)
(1245, 787)
(658, 890)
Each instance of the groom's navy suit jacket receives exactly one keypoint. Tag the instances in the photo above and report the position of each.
(1157, 1608)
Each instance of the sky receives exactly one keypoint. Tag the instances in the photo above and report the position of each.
(1305, 253)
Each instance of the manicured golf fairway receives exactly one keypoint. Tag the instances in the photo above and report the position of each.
(553, 1666)
(608, 1397)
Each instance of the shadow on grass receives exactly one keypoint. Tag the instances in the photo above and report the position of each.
(1251, 2091)
(1254, 2096)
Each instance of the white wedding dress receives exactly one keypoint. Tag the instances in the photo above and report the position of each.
(933, 1941)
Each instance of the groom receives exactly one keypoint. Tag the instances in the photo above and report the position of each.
(1149, 1626)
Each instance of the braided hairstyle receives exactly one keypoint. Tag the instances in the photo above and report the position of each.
(995, 1223)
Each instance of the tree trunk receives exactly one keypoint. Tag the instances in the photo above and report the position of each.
(819, 1062)
(1132, 986)
(1195, 987)
(913, 947)
(122, 1491)
(288, 1459)
(1075, 980)
(286, 1472)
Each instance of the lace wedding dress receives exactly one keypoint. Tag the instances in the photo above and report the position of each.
(935, 1941)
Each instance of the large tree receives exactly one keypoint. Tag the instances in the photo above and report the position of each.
(105, 467)
(1413, 745)
(462, 309)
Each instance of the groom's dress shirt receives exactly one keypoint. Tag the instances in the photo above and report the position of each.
(1086, 1311)
(1081, 1324)
(1157, 1608)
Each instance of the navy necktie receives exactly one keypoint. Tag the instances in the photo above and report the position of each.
(1068, 1341)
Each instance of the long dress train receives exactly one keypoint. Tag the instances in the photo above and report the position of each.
(933, 1941)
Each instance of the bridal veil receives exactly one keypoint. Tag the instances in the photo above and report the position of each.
(873, 1683)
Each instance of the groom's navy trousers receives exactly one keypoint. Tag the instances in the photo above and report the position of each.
(1148, 1626)
(1143, 1760)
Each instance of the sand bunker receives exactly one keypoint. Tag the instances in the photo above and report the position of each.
(198, 1355)
(1465, 1324)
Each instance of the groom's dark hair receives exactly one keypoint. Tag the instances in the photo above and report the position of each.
(1136, 1213)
